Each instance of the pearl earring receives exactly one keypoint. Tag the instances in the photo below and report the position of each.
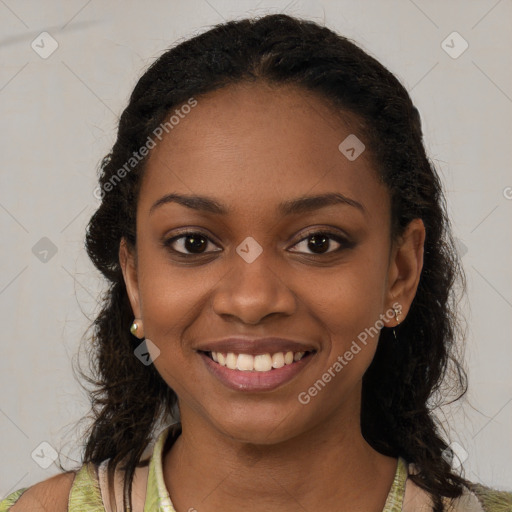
(136, 328)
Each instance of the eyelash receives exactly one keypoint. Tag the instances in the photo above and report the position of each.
(344, 243)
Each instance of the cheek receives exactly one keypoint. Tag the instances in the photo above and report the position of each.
(349, 303)
(173, 298)
(170, 293)
(351, 297)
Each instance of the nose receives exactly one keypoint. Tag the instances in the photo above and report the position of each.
(252, 291)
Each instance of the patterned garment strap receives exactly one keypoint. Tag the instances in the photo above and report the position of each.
(10, 500)
(157, 497)
(85, 494)
(395, 499)
(493, 500)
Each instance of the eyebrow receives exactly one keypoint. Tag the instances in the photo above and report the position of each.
(302, 204)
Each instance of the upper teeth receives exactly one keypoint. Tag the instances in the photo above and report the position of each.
(260, 363)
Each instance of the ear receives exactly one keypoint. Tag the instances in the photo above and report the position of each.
(128, 264)
(405, 266)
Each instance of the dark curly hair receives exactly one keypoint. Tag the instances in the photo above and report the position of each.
(404, 382)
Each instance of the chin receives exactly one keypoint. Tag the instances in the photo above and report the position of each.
(259, 427)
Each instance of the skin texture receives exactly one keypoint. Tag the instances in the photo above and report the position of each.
(250, 147)
(50, 495)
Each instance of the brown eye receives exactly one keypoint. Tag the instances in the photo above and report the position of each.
(190, 243)
(320, 242)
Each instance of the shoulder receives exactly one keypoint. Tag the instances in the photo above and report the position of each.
(49, 495)
(475, 497)
(492, 500)
(479, 498)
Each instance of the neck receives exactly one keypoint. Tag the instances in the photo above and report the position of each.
(329, 467)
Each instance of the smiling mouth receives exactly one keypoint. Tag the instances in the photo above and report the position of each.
(257, 363)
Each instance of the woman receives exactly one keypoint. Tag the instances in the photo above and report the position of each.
(281, 277)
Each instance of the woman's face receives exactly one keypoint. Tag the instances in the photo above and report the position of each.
(257, 269)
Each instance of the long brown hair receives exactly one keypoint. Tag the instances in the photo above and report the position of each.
(129, 398)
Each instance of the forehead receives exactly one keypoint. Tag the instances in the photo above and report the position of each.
(253, 144)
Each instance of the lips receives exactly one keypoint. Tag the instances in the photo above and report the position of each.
(255, 346)
(240, 377)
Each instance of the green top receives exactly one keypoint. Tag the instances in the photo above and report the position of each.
(85, 494)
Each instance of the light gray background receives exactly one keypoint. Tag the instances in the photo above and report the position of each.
(58, 118)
